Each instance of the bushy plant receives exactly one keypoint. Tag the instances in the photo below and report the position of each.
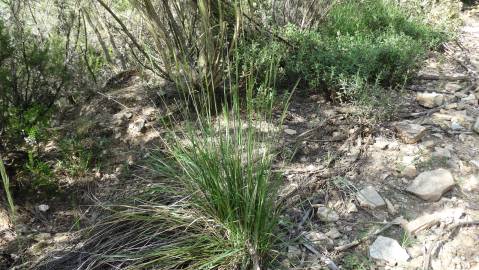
(41, 175)
(372, 41)
(33, 73)
(79, 155)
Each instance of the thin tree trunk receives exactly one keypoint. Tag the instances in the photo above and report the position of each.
(99, 37)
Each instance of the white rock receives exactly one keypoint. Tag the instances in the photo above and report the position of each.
(137, 127)
(351, 207)
(431, 185)
(471, 183)
(326, 214)
(5, 223)
(430, 100)
(290, 131)
(43, 207)
(389, 250)
(370, 198)
(462, 119)
(410, 171)
(409, 132)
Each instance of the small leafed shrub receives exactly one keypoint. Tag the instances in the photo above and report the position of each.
(33, 74)
(40, 176)
(374, 41)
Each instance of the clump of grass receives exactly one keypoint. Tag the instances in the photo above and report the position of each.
(154, 235)
(214, 204)
(229, 177)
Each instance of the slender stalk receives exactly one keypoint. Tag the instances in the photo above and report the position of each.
(6, 187)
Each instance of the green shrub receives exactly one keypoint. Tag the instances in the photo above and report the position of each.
(76, 158)
(79, 154)
(40, 175)
(33, 73)
(374, 41)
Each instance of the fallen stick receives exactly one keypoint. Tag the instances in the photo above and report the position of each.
(426, 112)
(443, 77)
(446, 235)
(356, 242)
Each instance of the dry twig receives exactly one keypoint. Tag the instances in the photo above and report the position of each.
(356, 242)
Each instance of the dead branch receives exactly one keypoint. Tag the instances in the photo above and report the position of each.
(356, 242)
(443, 77)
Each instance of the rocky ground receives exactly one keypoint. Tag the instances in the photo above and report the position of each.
(400, 194)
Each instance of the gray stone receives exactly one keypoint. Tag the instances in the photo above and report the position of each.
(333, 233)
(389, 250)
(370, 198)
(290, 131)
(456, 126)
(410, 133)
(431, 185)
(326, 214)
(441, 153)
(430, 100)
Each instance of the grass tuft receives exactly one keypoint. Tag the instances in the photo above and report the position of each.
(214, 204)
